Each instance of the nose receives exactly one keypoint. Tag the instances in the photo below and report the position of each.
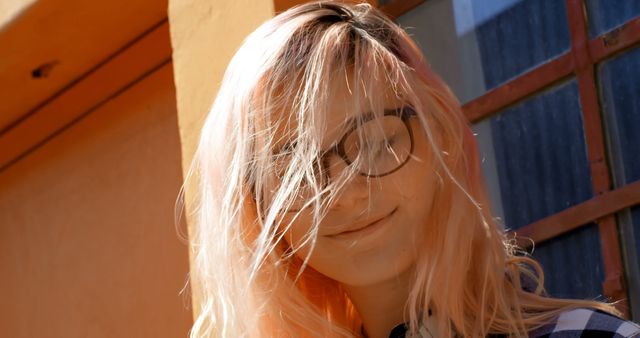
(354, 194)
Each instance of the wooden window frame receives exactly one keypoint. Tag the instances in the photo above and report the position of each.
(580, 62)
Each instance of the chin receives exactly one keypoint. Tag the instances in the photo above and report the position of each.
(365, 268)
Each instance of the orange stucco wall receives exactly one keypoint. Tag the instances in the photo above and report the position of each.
(88, 246)
(204, 35)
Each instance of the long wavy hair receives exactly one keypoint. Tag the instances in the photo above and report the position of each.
(248, 282)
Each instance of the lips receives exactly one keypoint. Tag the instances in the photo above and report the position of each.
(359, 228)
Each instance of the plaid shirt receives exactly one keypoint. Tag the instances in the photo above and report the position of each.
(576, 323)
(587, 323)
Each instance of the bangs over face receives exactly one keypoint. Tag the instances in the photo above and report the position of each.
(295, 88)
(331, 61)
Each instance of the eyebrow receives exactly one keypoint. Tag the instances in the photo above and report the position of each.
(350, 125)
(368, 116)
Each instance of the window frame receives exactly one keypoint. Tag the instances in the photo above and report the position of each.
(580, 62)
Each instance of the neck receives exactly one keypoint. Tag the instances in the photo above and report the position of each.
(381, 305)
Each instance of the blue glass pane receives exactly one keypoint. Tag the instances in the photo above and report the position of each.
(605, 15)
(541, 156)
(619, 82)
(620, 90)
(524, 35)
(478, 45)
(573, 264)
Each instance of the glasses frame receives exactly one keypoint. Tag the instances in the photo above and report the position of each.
(404, 113)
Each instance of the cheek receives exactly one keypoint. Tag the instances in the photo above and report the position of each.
(297, 231)
(416, 187)
(422, 170)
(324, 258)
(420, 191)
(416, 183)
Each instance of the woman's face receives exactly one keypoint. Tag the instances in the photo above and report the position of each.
(373, 228)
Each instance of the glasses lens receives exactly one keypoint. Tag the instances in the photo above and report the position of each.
(378, 146)
(375, 148)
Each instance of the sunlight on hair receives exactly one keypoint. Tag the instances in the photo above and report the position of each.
(260, 168)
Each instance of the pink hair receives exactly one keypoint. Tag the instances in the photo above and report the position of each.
(246, 282)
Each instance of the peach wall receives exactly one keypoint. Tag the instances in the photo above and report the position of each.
(204, 35)
(63, 40)
(88, 246)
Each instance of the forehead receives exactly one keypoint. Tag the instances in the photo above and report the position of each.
(347, 106)
(348, 102)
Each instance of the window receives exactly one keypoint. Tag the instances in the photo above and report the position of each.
(551, 87)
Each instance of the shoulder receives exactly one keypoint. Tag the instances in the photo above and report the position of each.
(585, 322)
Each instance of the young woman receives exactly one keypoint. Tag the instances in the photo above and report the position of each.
(340, 195)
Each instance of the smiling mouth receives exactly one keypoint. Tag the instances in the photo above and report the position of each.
(372, 226)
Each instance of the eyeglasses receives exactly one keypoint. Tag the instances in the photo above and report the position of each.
(376, 145)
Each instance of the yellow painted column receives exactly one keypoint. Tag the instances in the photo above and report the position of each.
(205, 34)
